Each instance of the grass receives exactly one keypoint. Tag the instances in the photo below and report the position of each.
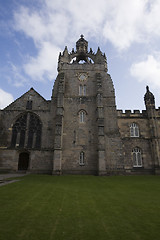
(41, 207)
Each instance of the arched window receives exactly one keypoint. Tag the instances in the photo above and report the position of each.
(82, 116)
(19, 131)
(134, 130)
(137, 157)
(81, 158)
(26, 131)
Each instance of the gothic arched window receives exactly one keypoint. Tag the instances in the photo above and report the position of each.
(137, 157)
(19, 131)
(26, 131)
(134, 130)
(82, 116)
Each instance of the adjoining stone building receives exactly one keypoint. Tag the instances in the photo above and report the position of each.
(79, 131)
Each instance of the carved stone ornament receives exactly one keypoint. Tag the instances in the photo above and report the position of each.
(82, 76)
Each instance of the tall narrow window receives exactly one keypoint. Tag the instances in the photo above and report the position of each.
(74, 136)
(82, 116)
(137, 157)
(81, 159)
(134, 130)
(82, 90)
(29, 105)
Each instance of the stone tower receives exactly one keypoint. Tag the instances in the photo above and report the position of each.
(86, 136)
(154, 128)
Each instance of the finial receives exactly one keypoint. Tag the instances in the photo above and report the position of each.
(82, 36)
(65, 51)
(149, 98)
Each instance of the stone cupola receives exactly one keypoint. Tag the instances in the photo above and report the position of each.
(82, 49)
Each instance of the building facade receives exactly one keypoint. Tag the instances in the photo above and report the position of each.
(79, 131)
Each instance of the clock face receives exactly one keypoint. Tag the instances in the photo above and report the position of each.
(82, 77)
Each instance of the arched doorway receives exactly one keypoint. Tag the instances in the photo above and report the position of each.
(23, 162)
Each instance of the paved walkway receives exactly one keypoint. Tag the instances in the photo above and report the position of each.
(5, 176)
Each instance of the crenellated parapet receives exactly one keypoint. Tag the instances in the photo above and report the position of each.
(131, 114)
(82, 54)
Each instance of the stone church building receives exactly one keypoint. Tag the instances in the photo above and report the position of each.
(79, 131)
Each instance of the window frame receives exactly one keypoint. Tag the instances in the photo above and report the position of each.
(134, 130)
(81, 158)
(27, 131)
(82, 116)
(82, 90)
(137, 157)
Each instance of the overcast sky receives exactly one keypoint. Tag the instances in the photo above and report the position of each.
(33, 32)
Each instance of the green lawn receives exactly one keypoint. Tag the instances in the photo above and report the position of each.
(42, 207)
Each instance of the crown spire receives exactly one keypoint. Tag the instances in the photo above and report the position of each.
(82, 49)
